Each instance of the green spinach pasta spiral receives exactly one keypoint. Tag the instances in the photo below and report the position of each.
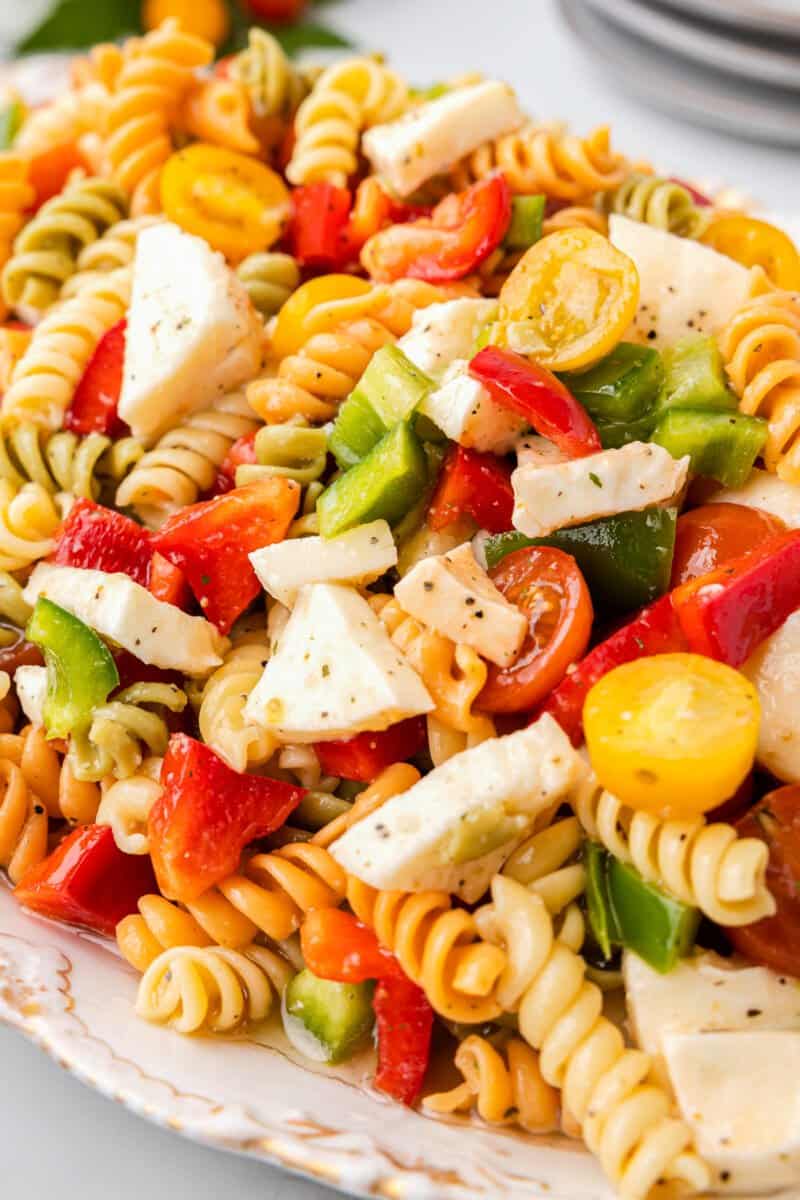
(89, 467)
(113, 250)
(274, 86)
(270, 278)
(662, 203)
(125, 731)
(46, 251)
(292, 450)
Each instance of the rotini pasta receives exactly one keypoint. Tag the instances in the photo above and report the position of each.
(218, 111)
(221, 713)
(16, 196)
(67, 118)
(29, 521)
(63, 462)
(659, 202)
(13, 344)
(269, 278)
(291, 450)
(126, 805)
(115, 249)
(274, 86)
(119, 729)
(761, 349)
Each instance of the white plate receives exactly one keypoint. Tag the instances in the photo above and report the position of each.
(725, 51)
(669, 83)
(764, 16)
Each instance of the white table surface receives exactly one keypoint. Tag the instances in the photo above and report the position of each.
(57, 1138)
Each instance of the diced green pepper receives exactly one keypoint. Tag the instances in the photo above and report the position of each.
(525, 227)
(722, 445)
(626, 559)
(657, 927)
(389, 391)
(694, 376)
(80, 669)
(338, 1016)
(411, 522)
(598, 907)
(614, 434)
(12, 113)
(624, 386)
(387, 483)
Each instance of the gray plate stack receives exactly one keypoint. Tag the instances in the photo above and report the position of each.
(732, 64)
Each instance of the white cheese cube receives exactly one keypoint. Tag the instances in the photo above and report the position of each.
(454, 596)
(535, 451)
(123, 611)
(361, 555)
(463, 409)
(774, 671)
(684, 286)
(767, 491)
(631, 478)
(443, 333)
(31, 684)
(432, 138)
(420, 839)
(192, 332)
(335, 672)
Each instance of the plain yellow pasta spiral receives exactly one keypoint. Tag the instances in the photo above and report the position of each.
(157, 71)
(348, 98)
(761, 349)
(625, 1119)
(191, 988)
(662, 203)
(29, 521)
(221, 715)
(45, 378)
(275, 87)
(185, 461)
(16, 197)
(708, 866)
(67, 118)
(115, 249)
(126, 805)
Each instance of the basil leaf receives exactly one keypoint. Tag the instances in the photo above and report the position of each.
(76, 25)
(295, 38)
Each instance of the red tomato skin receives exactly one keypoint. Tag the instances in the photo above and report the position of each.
(206, 814)
(339, 947)
(404, 1020)
(94, 405)
(707, 536)
(210, 542)
(101, 539)
(536, 394)
(21, 653)
(87, 881)
(475, 485)
(279, 11)
(364, 756)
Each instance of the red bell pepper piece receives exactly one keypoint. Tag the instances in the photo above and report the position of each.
(364, 756)
(101, 539)
(280, 11)
(405, 1023)
(537, 395)
(318, 228)
(94, 405)
(206, 814)
(337, 946)
(460, 233)
(210, 542)
(727, 613)
(242, 451)
(87, 881)
(656, 630)
(168, 582)
(474, 485)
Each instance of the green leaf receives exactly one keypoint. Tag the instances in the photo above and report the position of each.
(78, 24)
(295, 38)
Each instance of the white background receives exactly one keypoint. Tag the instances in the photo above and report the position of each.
(56, 1137)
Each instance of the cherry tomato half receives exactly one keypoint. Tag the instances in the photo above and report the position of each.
(548, 587)
(775, 941)
(756, 244)
(319, 306)
(707, 536)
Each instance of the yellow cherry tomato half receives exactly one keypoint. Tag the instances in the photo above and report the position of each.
(673, 735)
(321, 305)
(236, 203)
(756, 243)
(207, 19)
(569, 300)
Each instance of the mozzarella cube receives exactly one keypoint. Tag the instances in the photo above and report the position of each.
(631, 478)
(335, 672)
(454, 596)
(684, 286)
(361, 555)
(767, 491)
(443, 333)
(31, 684)
(123, 611)
(774, 671)
(416, 840)
(433, 137)
(534, 451)
(463, 409)
(192, 332)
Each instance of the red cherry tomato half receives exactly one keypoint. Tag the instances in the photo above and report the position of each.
(707, 536)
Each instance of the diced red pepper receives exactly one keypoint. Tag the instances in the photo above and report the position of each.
(210, 542)
(318, 228)
(656, 630)
(206, 814)
(168, 582)
(474, 485)
(364, 756)
(241, 452)
(101, 539)
(460, 233)
(87, 881)
(337, 946)
(94, 405)
(536, 394)
(729, 612)
(404, 1020)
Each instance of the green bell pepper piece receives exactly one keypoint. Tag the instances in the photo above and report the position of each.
(80, 669)
(408, 525)
(657, 927)
(387, 483)
(525, 227)
(614, 434)
(389, 391)
(626, 559)
(12, 113)
(598, 907)
(722, 445)
(694, 376)
(623, 387)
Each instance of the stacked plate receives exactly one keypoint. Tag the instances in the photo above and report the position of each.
(732, 64)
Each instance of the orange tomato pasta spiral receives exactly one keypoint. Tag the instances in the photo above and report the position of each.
(761, 349)
(218, 111)
(16, 197)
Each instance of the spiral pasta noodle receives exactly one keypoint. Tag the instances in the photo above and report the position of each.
(192, 988)
(120, 728)
(63, 462)
(115, 249)
(761, 349)
(65, 119)
(13, 344)
(575, 216)
(29, 521)
(291, 450)
(274, 86)
(707, 866)
(221, 713)
(45, 378)
(348, 98)
(625, 1119)
(125, 807)
(269, 279)
(218, 111)
(185, 461)
(13, 605)
(16, 197)
(659, 202)
(46, 251)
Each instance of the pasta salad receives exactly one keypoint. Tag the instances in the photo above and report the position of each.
(400, 593)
